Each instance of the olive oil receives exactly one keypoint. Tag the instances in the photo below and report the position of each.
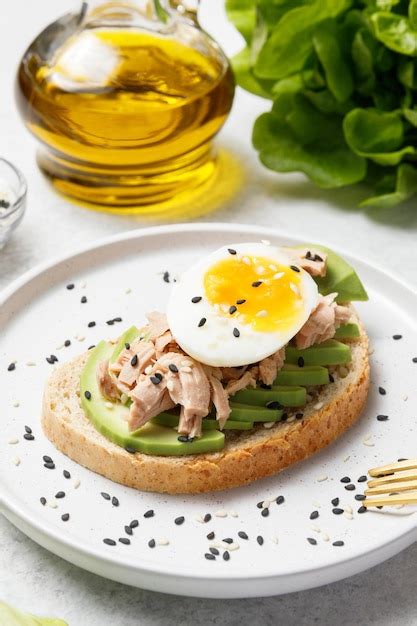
(126, 116)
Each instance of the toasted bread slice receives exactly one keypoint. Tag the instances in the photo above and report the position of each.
(247, 455)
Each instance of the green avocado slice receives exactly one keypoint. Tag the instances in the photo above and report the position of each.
(330, 352)
(170, 419)
(247, 412)
(128, 336)
(286, 396)
(340, 277)
(110, 419)
(347, 331)
(308, 375)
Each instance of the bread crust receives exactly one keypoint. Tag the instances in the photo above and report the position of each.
(246, 457)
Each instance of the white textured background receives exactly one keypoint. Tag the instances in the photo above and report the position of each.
(38, 581)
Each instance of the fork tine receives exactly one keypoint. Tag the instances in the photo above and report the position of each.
(405, 498)
(406, 485)
(394, 467)
(393, 478)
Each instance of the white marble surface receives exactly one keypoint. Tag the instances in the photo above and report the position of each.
(32, 578)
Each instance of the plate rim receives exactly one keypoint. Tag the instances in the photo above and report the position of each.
(61, 539)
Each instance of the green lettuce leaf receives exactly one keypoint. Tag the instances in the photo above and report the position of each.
(404, 186)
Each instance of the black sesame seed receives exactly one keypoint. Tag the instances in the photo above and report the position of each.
(317, 257)
(67, 343)
(273, 404)
(379, 507)
(260, 504)
(382, 391)
(11, 367)
(337, 511)
(202, 322)
(231, 251)
(299, 415)
(152, 543)
(214, 551)
(396, 337)
(134, 360)
(91, 324)
(165, 277)
(284, 417)
(308, 255)
(242, 534)
(241, 301)
(399, 460)
(345, 479)
(209, 556)
(226, 555)
(312, 541)
(236, 332)
(260, 540)
(60, 494)
(196, 299)
(173, 368)
(185, 439)
(300, 361)
(350, 487)
(134, 523)
(314, 515)
(70, 286)
(128, 530)
(360, 496)
(382, 418)
(179, 520)
(414, 359)
(232, 309)
(65, 517)
(43, 501)
(127, 345)
(294, 268)
(115, 501)
(331, 378)
(49, 465)
(362, 509)
(28, 430)
(265, 512)
(210, 535)
(257, 283)
(149, 513)
(51, 359)
(280, 499)
(105, 495)
(87, 394)
(207, 517)
(109, 322)
(83, 300)
(109, 542)
(362, 479)
(335, 501)
(159, 375)
(4, 204)
(28, 437)
(117, 319)
(338, 543)
(124, 540)
(130, 450)
(66, 474)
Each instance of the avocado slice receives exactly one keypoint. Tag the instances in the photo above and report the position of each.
(340, 277)
(287, 396)
(330, 352)
(170, 419)
(111, 422)
(307, 375)
(348, 331)
(251, 413)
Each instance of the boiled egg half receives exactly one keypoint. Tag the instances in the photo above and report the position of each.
(240, 304)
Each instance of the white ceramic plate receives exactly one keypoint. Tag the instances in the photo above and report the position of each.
(38, 314)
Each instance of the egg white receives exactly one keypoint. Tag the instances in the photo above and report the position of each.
(214, 343)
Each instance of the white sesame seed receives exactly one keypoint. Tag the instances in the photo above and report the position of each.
(233, 514)
(186, 370)
(80, 338)
(262, 313)
(346, 458)
(295, 289)
(399, 506)
(291, 419)
(348, 508)
(266, 242)
(128, 290)
(52, 504)
(322, 478)
(266, 504)
(325, 537)
(230, 547)
(369, 444)
(316, 504)
(30, 363)
(405, 398)
(268, 425)
(274, 539)
(246, 260)
(260, 269)
(343, 372)
(170, 385)
(273, 267)
(198, 518)
(16, 460)
(109, 405)
(348, 515)
(83, 285)
(59, 347)
(187, 363)
(367, 437)
(13, 440)
(221, 513)
(162, 542)
(16, 404)
(319, 405)
(77, 483)
(316, 528)
(278, 275)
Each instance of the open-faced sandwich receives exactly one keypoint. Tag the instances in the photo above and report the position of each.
(259, 361)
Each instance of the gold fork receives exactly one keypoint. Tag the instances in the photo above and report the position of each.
(392, 484)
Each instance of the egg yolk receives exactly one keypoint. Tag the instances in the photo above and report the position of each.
(266, 294)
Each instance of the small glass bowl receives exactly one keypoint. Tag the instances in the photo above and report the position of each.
(13, 190)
